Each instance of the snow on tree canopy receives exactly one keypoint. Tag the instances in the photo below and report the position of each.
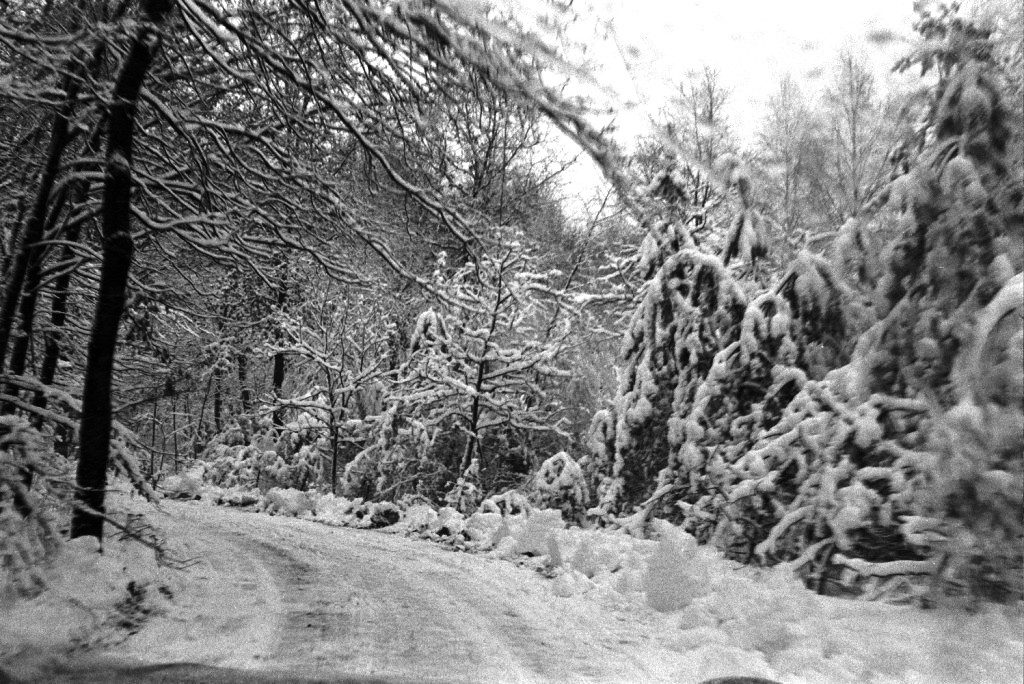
(808, 421)
(429, 330)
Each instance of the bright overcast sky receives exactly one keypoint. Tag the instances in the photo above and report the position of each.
(752, 43)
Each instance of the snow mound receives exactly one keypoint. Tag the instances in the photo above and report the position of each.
(233, 496)
(343, 512)
(731, 619)
(187, 485)
(535, 534)
(287, 502)
(90, 597)
(449, 523)
(481, 528)
(678, 571)
(419, 517)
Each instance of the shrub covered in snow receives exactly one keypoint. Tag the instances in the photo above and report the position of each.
(186, 485)
(560, 483)
(511, 502)
(292, 455)
(338, 510)
(288, 502)
(402, 456)
(473, 389)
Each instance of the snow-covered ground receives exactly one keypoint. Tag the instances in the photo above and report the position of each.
(285, 597)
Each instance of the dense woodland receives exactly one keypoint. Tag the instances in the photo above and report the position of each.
(326, 245)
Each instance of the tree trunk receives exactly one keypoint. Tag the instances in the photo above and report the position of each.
(278, 383)
(243, 380)
(474, 420)
(59, 299)
(58, 316)
(28, 253)
(217, 401)
(152, 440)
(32, 231)
(118, 248)
(472, 445)
(278, 378)
(174, 429)
(334, 431)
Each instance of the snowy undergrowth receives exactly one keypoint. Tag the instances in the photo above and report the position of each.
(90, 598)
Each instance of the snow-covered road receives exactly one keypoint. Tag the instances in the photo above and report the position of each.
(275, 598)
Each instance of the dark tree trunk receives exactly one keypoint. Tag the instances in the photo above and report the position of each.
(152, 441)
(59, 298)
(278, 378)
(217, 401)
(52, 340)
(334, 431)
(243, 383)
(33, 280)
(28, 253)
(174, 429)
(94, 431)
(278, 384)
(28, 248)
(27, 317)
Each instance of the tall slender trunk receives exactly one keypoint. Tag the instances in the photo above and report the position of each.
(59, 299)
(28, 248)
(473, 443)
(152, 439)
(474, 419)
(243, 383)
(174, 428)
(54, 334)
(278, 377)
(118, 248)
(333, 400)
(28, 253)
(278, 382)
(218, 402)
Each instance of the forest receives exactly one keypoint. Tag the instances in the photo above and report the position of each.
(330, 246)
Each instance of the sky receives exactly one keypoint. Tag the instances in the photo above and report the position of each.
(649, 46)
(639, 51)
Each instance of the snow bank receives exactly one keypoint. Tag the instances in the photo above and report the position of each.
(338, 510)
(287, 502)
(91, 598)
(187, 485)
(678, 571)
(734, 620)
(325, 508)
(229, 496)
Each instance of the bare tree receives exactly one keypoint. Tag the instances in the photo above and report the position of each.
(679, 158)
(850, 160)
(784, 148)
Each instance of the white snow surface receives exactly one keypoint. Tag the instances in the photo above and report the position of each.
(288, 595)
